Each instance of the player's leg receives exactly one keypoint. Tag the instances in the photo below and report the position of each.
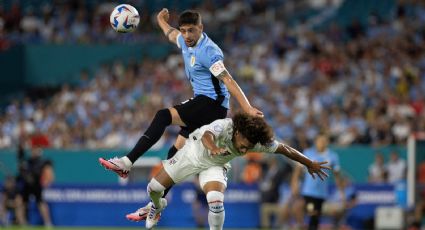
(174, 170)
(298, 210)
(181, 139)
(141, 213)
(42, 207)
(20, 210)
(155, 189)
(314, 210)
(162, 119)
(213, 182)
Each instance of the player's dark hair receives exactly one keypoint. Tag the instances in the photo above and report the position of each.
(255, 129)
(189, 17)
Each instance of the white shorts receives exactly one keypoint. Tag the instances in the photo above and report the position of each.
(185, 164)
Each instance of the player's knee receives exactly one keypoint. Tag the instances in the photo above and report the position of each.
(155, 186)
(164, 116)
(215, 201)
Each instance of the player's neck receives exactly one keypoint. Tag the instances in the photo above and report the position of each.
(199, 41)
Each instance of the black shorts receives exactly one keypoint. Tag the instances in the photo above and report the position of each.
(199, 111)
(35, 190)
(316, 202)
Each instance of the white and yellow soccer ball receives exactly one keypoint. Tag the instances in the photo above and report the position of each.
(124, 18)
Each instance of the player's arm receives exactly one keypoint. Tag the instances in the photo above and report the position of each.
(208, 141)
(169, 31)
(222, 74)
(312, 166)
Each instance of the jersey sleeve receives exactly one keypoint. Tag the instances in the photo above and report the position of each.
(214, 60)
(268, 148)
(179, 40)
(335, 162)
(217, 127)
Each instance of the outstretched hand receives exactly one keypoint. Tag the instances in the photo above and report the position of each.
(317, 168)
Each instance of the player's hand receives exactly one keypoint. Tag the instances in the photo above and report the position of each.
(317, 168)
(254, 112)
(163, 15)
(218, 151)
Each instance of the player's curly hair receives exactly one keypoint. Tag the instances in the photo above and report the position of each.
(190, 17)
(255, 129)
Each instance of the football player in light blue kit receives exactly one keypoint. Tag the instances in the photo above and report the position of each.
(315, 192)
(212, 85)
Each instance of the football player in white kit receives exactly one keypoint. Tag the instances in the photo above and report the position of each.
(208, 151)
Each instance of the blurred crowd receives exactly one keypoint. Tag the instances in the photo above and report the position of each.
(361, 83)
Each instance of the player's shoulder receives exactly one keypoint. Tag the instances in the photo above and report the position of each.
(309, 151)
(225, 121)
(209, 45)
(333, 153)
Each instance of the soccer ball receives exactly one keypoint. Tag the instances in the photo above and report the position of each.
(124, 18)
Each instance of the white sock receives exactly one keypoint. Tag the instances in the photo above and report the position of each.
(126, 162)
(216, 212)
(155, 191)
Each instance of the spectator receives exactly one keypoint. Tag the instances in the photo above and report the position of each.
(36, 174)
(377, 170)
(337, 206)
(252, 171)
(396, 168)
(371, 99)
(11, 203)
(273, 176)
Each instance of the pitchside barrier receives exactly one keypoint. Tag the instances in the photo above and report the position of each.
(108, 205)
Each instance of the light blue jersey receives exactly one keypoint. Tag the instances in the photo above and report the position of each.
(315, 187)
(199, 62)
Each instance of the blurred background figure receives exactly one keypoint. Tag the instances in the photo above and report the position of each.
(338, 204)
(199, 205)
(315, 192)
(377, 170)
(396, 168)
(12, 209)
(36, 173)
(274, 173)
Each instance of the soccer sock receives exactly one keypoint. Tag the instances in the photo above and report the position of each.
(216, 212)
(155, 191)
(314, 222)
(153, 133)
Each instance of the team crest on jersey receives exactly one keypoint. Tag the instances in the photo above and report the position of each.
(192, 60)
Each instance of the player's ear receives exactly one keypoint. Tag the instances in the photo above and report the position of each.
(201, 27)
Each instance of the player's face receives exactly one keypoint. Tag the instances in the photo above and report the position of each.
(241, 143)
(191, 33)
(321, 143)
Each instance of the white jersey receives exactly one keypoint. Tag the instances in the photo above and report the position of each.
(194, 158)
(223, 132)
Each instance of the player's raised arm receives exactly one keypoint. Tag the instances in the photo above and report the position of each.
(312, 166)
(169, 31)
(221, 73)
